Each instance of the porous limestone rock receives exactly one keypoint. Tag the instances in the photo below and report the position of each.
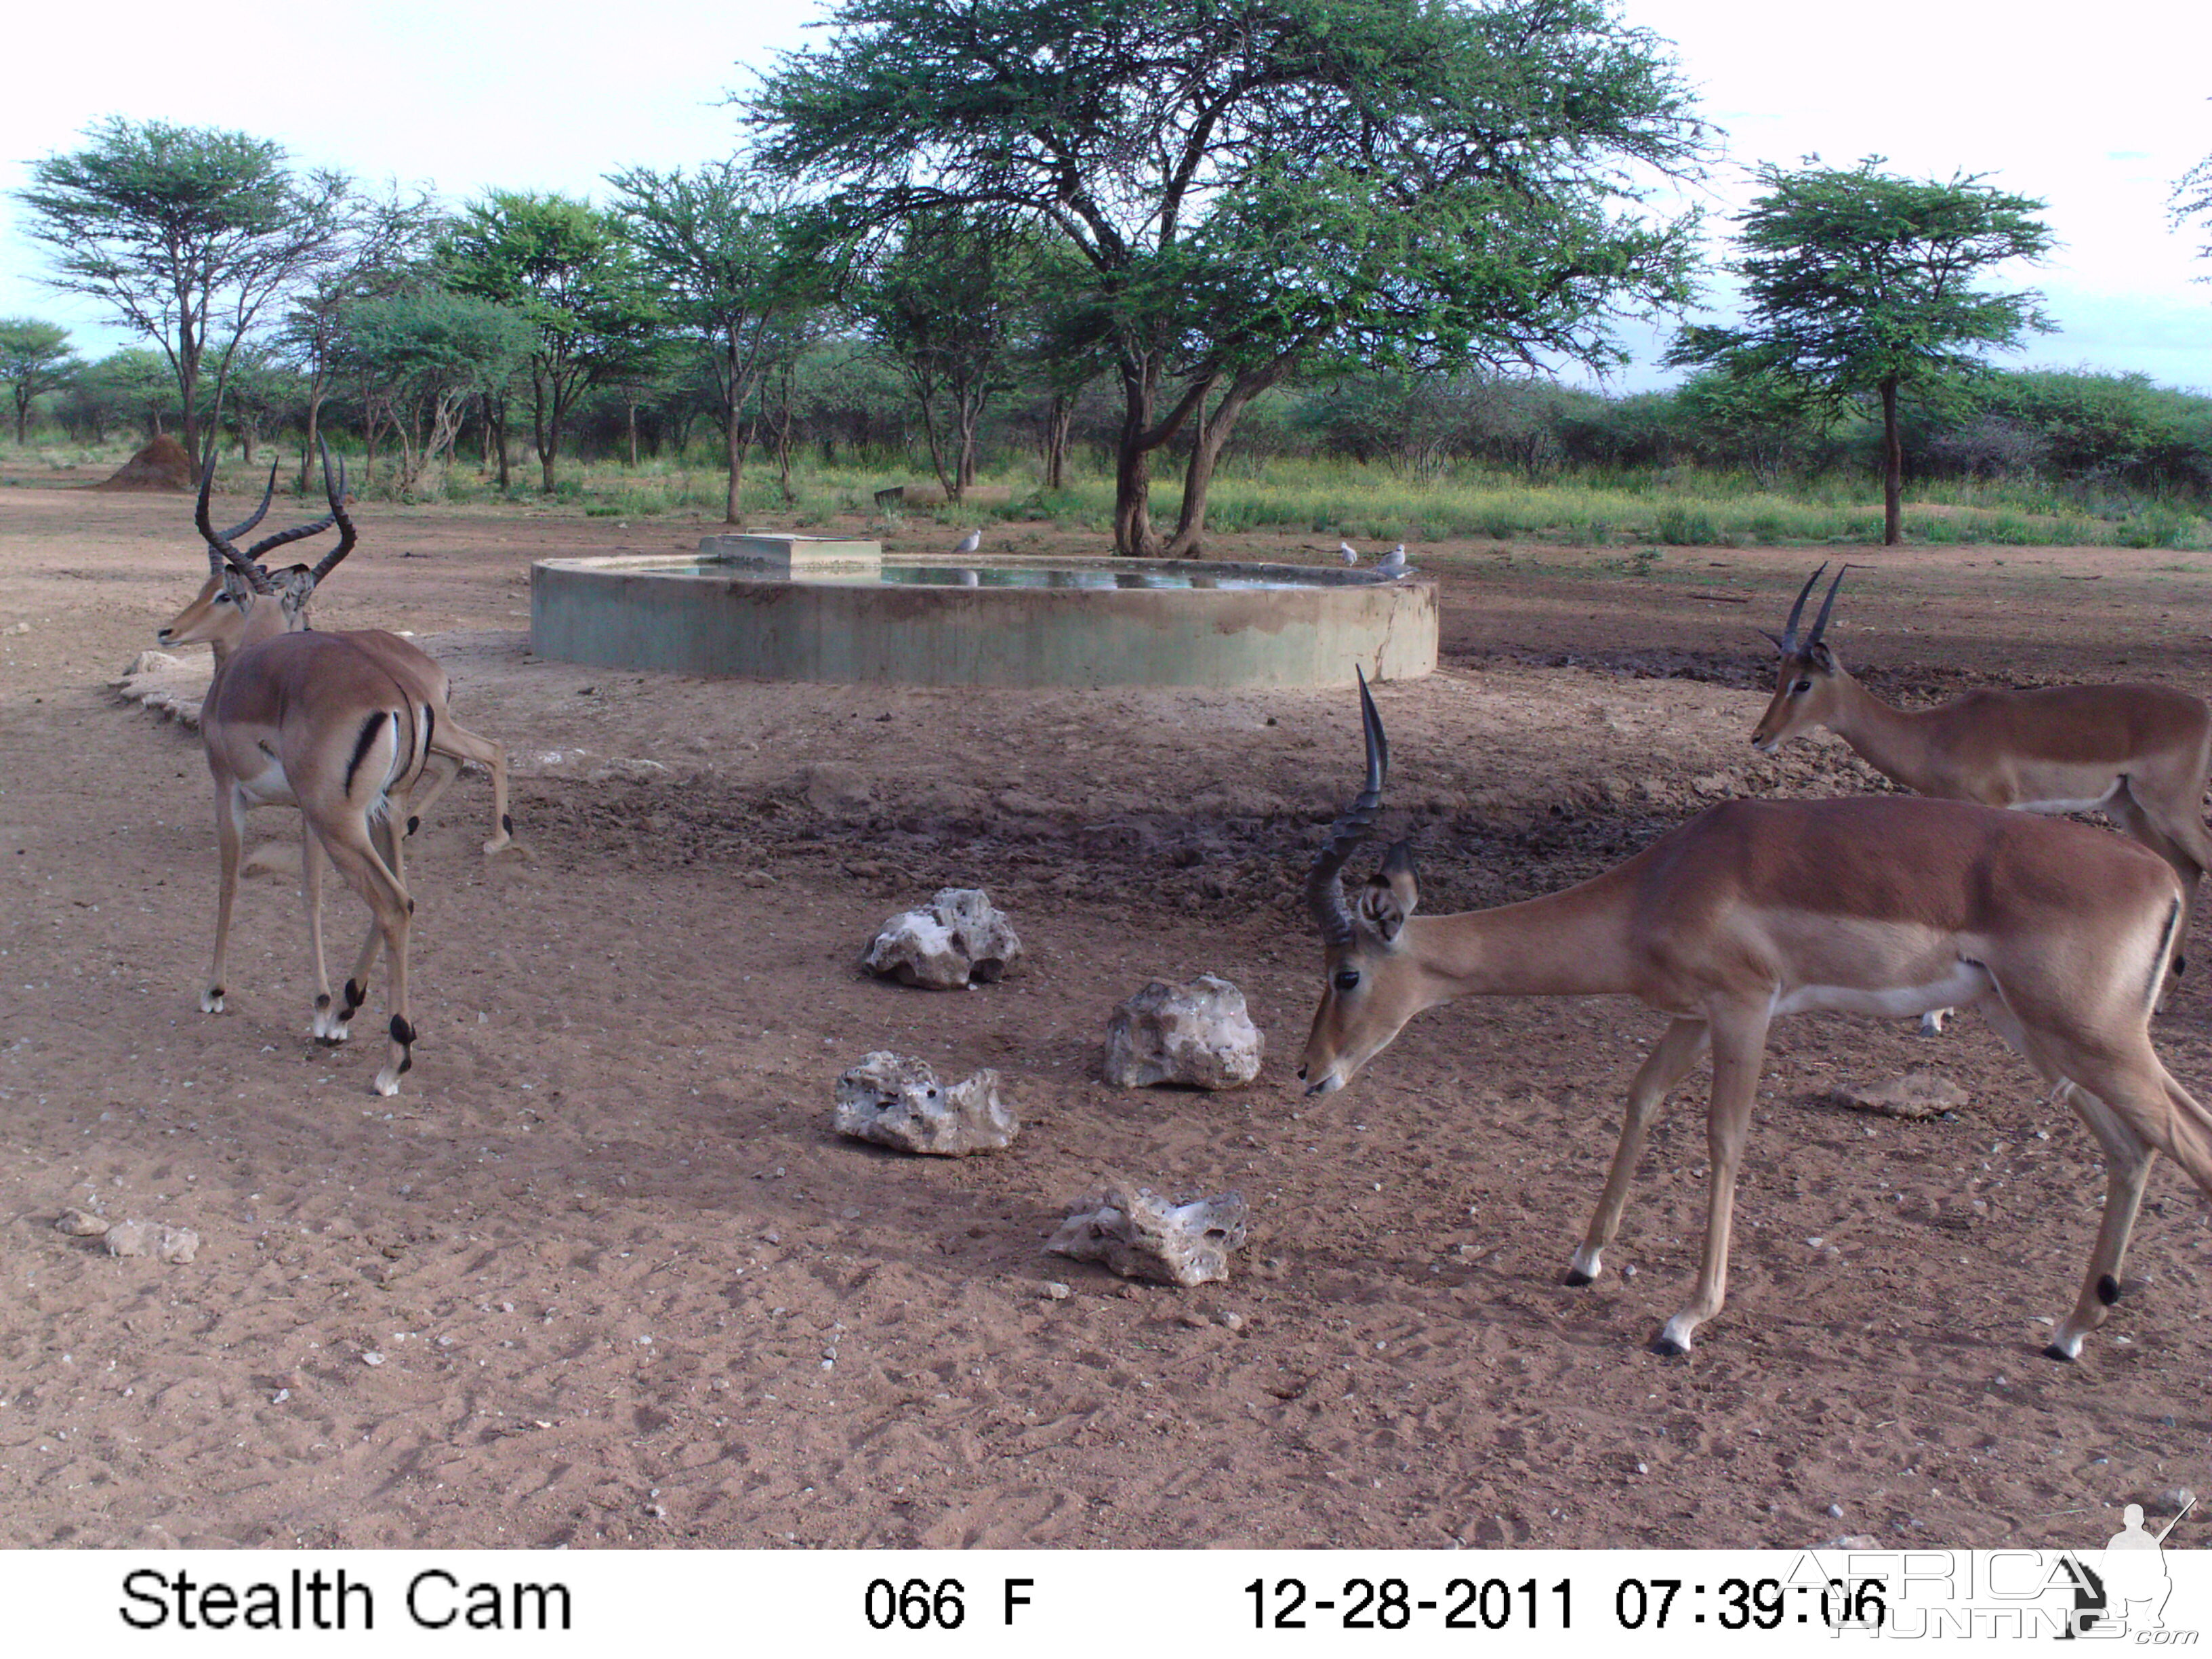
(81, 1224)
(151, 1238)
(960, 939)
(1139, 1235)
(899, 1102)
(1197, 1034)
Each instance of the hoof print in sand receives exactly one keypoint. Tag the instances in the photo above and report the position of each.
(1139, 1235)
(899, 1102)
(1198, 1034)
(960, 939)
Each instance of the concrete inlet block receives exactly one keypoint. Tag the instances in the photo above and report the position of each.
(775, 554)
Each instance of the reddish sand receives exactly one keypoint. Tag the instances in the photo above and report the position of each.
(628, 1288)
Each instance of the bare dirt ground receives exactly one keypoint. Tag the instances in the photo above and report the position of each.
(629, 1289)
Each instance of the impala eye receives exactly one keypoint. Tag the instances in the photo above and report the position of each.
(1801, 687)
(1346, 979)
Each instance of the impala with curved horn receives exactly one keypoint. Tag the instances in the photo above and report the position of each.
(216, 618)
(2138, 753)
(342, 726)
(1883, 906)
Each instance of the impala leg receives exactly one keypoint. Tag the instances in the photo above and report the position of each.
(2127, 1162)
(328, 1026)
(1738, 1047)
(389, 847)
(365, 871)
(492, 757)
(1681, 1048)
(438, 775)
(230, 836)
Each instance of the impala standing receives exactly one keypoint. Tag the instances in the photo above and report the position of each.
(342, 726)
(2138, 753)
(216, 618)
(1884, 906)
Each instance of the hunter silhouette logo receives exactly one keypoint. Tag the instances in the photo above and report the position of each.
(2128, 1589)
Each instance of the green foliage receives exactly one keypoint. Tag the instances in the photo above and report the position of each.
(730, 259)
(184, 233)
(568, 272)
(1855, 279)
(34, 359)
(1860, 284)
(1252, 185)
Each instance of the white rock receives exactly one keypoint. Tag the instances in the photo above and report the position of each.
(1139, 1235)
(81, 1224)
(132, 1238)
(1197, 1034)
(899, 1102)
(177, 1244)
(961, 939)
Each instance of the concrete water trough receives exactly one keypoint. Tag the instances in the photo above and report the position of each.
(796, 608)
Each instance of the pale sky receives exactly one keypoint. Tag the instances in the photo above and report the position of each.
(2096, 111)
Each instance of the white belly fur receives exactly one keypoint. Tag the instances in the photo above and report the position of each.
(268, 787)
(1968, 982)
(2055, 808)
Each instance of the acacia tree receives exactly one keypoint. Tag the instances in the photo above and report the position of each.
(184, 233)
(947, 304)
(732, 266)
(34, 359)
(421, 356)
(379, 249)
(1252, 184)
(567, 268)
(1860, 285)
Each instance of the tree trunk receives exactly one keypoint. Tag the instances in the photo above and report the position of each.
(315, 395)
(22, 415)
(734, 444)
(633, 434)
(1133, 463)
(544, 434)
(1892, 469)
(1214, 431)
(1057, 427)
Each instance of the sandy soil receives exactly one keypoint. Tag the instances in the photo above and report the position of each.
(628, 1288)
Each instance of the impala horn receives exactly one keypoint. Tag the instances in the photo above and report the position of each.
(1325, 882)
(285, 538)
(1786, 641)
(337, 492)
(1821, 622)
(219, 546)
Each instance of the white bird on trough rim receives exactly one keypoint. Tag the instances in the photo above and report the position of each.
(1347, 552)
(970, 542)
(1393, 562)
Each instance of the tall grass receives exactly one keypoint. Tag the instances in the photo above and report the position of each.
(1670, 506)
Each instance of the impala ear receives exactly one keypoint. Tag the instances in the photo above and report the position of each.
(1820, 657)
(1392, 893)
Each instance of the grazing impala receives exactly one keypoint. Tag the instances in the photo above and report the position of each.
(1881, 905)
(2138, 753)
(342, 726)
(216, 618)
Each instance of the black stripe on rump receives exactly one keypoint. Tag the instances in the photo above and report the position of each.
(368, 731)
(2158, 964)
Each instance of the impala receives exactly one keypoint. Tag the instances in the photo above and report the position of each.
(2138, 753)
(216, 617)
(342, 726)
(1883, 905)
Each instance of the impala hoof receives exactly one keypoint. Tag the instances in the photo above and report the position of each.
(2059, 1350)
(387, 1082)
(211, 1002)
(1576, 1279)
(1670, 1346)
